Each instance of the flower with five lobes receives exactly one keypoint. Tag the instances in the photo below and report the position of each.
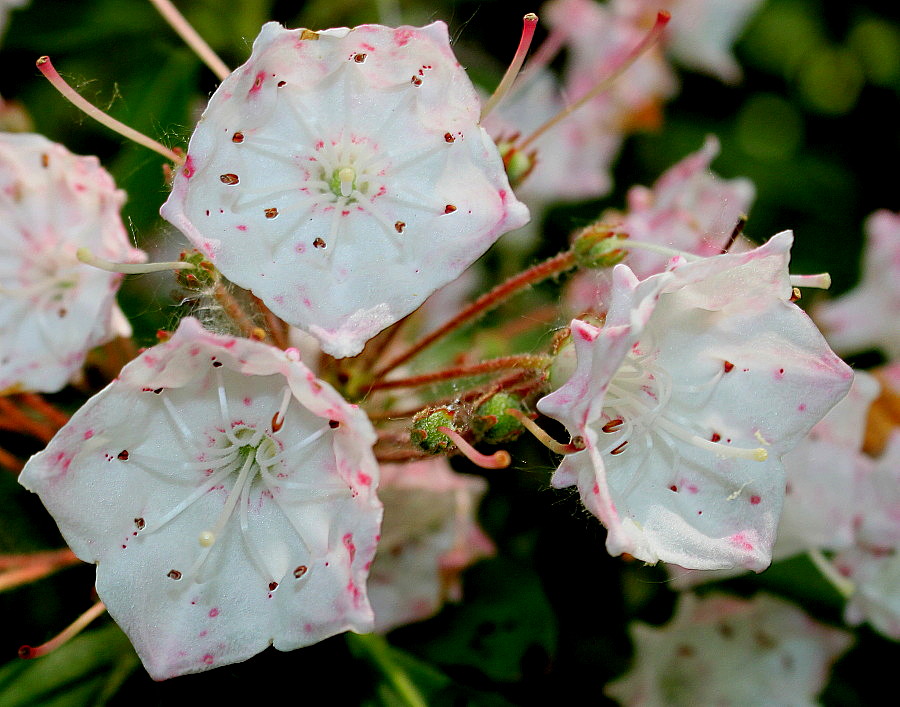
(343, 176)
(698, 381)
(53, 309)
(227, 497)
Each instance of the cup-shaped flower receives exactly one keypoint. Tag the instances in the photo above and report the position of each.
(429, 536)
(726, 651)
(227, 497)
(699, 381)
(54, 309)
(343, 177)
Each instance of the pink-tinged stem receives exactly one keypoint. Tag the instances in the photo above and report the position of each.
(77, 626)
(523, 361)
(498, 460)
(45, 66)
(190, 36)
(10, 461)
(576, 445)
(47, 410)
(662, 19)
(59, 558)
(529, 24)
(545, 53)
(554, 266)
(24, 569)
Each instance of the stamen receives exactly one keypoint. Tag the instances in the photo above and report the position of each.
(45, 66)
(576, 445)
(278, 417)
(845, 586)
(723, 450)
(498, 460)
(65, 635)
(177, 21)
(662, 19)
(89, 258)
(822, 281)
(529, 24)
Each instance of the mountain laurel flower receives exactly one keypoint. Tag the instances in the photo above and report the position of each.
(227, 497)
(868, 316)
(343, 176)
(721, 650)
(700, 379)
(429, 536)
(54, 309)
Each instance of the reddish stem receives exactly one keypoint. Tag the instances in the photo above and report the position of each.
(488, 301)
(497, 364)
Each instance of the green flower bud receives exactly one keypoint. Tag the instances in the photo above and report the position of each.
(424, 433)
(492, 423)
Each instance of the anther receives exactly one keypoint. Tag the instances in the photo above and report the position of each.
(122, 456)
(346, 176)
(206, 538)
(300, 571)
(399, 226)
(613, 425)
(238, 137)
(271, 212)
(230, 179)
(174, 574)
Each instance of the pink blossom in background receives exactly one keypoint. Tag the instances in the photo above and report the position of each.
(429, 536)
(720, 650)
(868, 316)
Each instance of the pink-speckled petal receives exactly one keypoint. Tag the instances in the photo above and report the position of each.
(343, 177)
(53, 309)
(227, 497)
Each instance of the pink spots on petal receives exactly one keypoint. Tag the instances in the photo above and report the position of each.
(692, 488)
(402, 37)
(230, 344)
(189, 170)
(348, 543)
(801, 407)
(242, 227)
(779, 374)
(754, 500)
(596, 489)
(150, 360)
(355, 593)
(247, 401)
(194, 351)
(88, 434)
(740, 540)
(257, 83)
(208, 659)
(213, 613)
(586, 335)
(364, 479)
(203, 633)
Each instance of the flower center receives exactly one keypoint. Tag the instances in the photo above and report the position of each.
(636, 409)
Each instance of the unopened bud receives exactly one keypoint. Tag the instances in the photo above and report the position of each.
(425, 434)
(598, 246)
(491, 421)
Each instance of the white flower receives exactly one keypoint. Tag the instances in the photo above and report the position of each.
(53, 309)
(699, 380)
(343, 177)
(727, 651)
(429, 536)
(869, 315)
(227, 497)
